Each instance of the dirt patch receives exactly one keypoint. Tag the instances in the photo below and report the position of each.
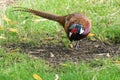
(57, 54)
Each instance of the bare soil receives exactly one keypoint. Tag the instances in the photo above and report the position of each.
(57, 54)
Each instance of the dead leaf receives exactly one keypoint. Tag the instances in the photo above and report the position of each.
(37, 77)
(65, 65)
(108, 54)
(5, 18)
(52, 55)
(56, 77)
(91, 35)
(1, 28)
(2, 37)
(117, 62)
(13, 30)
(101, 1)
(49, 38)
(71, 45)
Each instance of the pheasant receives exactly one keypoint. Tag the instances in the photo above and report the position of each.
(77, 26)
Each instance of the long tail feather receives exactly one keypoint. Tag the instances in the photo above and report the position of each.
(41, 14)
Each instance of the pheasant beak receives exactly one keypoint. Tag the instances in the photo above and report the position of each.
(70, 33)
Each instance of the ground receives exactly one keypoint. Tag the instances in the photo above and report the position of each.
(58, 54)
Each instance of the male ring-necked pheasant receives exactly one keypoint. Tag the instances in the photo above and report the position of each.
(77, 26)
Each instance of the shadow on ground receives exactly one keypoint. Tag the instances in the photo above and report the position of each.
(58, 53)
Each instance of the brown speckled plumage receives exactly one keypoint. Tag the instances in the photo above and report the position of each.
(66, 21)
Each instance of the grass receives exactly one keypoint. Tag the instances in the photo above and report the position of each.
(21, 67)
(22, 27)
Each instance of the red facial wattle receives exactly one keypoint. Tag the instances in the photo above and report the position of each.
(74, 30)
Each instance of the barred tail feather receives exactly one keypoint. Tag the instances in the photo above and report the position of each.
(41, 14)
